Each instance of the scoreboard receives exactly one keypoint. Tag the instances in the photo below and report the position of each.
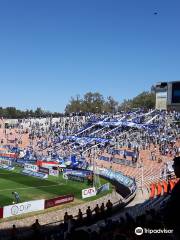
(176, 92)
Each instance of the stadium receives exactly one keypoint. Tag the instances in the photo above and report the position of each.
(48, 169)
(89, 120)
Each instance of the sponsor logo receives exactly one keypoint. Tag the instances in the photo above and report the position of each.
(44, 170)
(14, 210)
(17, 209)
(21, 208)
(58, 201)
(31, 167)
(89, 192)
(53, 172)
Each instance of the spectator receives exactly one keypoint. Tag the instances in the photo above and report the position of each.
(97, 211)
(36, 227)
(89, 215)
(14, 232)
(102, 209)
(66, 217)
(80, 216)
(109, 206)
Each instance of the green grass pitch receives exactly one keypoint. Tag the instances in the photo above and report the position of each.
(31, 188)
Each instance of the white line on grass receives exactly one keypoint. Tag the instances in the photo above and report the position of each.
(6, 173)
(9, 189)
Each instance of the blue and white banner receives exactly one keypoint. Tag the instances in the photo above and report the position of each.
(118, 176)
(86, 140)
(136, 124)
(34, 174)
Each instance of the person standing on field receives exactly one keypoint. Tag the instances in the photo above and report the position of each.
(16, 196)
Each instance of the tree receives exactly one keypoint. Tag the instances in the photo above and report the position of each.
(39, 112)
(11, 112)
(144, 100)
(93, 102)
(126, 105)
(110, 105)
(75, 105)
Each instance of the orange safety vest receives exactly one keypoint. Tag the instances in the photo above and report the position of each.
(172, 184)
(165, 186)
(159, 189)
(152, 189)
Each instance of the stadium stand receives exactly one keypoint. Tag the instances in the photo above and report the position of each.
(134, 151)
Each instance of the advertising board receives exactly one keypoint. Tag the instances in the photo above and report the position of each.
(5, 167)
(53, 172)
(1, 212)
(104, 187)
(31, 167)
(88, 192)
(5, 162)
(44, 170)
(24, 207)
(34, 174)
(49, 165)
(59, 201)
(75, 178)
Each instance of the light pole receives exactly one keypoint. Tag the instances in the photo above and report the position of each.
(94, 181)
(95, 174)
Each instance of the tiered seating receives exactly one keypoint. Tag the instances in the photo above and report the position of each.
(151, 169)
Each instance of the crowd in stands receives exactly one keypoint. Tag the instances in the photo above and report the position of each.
(46, 136)
(47, 140)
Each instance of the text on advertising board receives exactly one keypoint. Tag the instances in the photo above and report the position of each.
(53, 172)
(44, 170)
(89, 192)
(31, 167)
(58, 201)
(21, 208)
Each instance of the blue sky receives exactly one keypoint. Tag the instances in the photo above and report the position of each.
(52, 50)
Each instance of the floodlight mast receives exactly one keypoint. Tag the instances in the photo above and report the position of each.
(96, 180)
(94, 157)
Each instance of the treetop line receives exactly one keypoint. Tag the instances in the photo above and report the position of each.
(90, 102)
